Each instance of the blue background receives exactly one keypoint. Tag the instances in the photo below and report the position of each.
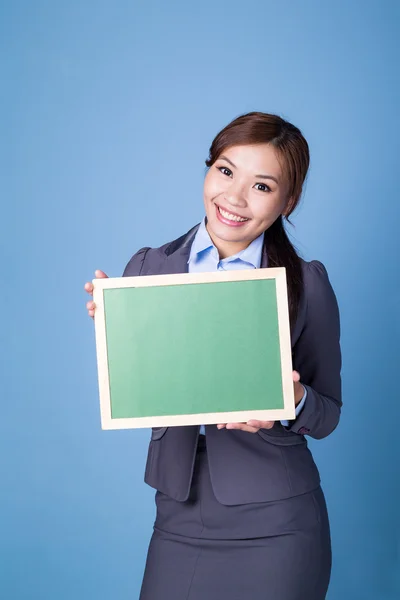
(107, 112)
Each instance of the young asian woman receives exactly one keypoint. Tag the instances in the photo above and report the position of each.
(240, 509)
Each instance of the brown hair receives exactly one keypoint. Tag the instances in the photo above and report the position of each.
(293, 152)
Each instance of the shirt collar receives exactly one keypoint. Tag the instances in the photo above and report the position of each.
(202, 242)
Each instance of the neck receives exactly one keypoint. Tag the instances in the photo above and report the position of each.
(226, 249)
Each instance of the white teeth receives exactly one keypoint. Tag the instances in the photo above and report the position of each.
(231, 217)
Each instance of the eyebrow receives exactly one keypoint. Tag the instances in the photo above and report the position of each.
(261, 176)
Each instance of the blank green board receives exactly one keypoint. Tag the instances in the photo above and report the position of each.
(193, 348)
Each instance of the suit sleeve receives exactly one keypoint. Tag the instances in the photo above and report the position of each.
(317, 357)
(135, 265)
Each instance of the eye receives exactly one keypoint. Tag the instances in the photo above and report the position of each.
(265, 186)
(225, 171)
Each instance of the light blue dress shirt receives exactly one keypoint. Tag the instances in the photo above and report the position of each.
(204, 257)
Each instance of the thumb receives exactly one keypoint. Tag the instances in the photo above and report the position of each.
(296, 376)
(100, 274)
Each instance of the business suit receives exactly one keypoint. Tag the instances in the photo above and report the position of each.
(270, 470)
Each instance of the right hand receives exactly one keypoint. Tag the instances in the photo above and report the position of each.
(89, 289)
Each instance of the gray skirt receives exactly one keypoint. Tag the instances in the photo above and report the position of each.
(201, 549)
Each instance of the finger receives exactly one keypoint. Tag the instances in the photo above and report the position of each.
(91, 313)
(89, 287)
(242, 427)
(296, 376)
(261, 424)
(221, 425)
(90, 305)
(100, 274)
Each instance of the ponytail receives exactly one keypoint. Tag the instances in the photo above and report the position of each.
(281, 253)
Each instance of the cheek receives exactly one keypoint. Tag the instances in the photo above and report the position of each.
(268, 209)
(212, 187)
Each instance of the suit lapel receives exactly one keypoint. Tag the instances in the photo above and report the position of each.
(176, 255)
(177, 262)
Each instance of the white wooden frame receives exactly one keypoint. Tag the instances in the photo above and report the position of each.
(278, 273)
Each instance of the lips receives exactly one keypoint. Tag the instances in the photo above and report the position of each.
(231, 212)
(230, 218)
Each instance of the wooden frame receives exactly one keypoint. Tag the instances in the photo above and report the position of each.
(278, 274)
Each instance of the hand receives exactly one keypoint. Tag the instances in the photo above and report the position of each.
(89, 289)
(253, 425)
(299, 390)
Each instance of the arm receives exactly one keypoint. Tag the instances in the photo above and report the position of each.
(317, 357)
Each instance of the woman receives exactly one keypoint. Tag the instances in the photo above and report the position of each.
(240, 510)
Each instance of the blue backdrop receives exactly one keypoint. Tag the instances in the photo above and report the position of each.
(108, 109)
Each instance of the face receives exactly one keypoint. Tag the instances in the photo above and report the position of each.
(244, 193)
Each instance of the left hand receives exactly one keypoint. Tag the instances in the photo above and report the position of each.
(253, 425)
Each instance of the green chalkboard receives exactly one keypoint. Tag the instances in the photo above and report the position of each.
(192, 348)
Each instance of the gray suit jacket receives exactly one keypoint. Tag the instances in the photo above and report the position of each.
(275, 463)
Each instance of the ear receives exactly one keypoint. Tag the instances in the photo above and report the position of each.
(288, 207)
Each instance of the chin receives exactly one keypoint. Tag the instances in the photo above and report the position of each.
(227, 235)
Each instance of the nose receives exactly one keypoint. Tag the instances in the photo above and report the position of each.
(235, 196)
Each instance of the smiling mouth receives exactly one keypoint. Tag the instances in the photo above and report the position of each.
(231, 216)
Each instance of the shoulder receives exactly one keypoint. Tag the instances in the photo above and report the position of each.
(135, 265)
(318, 293)
(147, 254)
(314, 274)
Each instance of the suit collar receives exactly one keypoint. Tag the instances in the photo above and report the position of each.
(176, 254)
(184, 242)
